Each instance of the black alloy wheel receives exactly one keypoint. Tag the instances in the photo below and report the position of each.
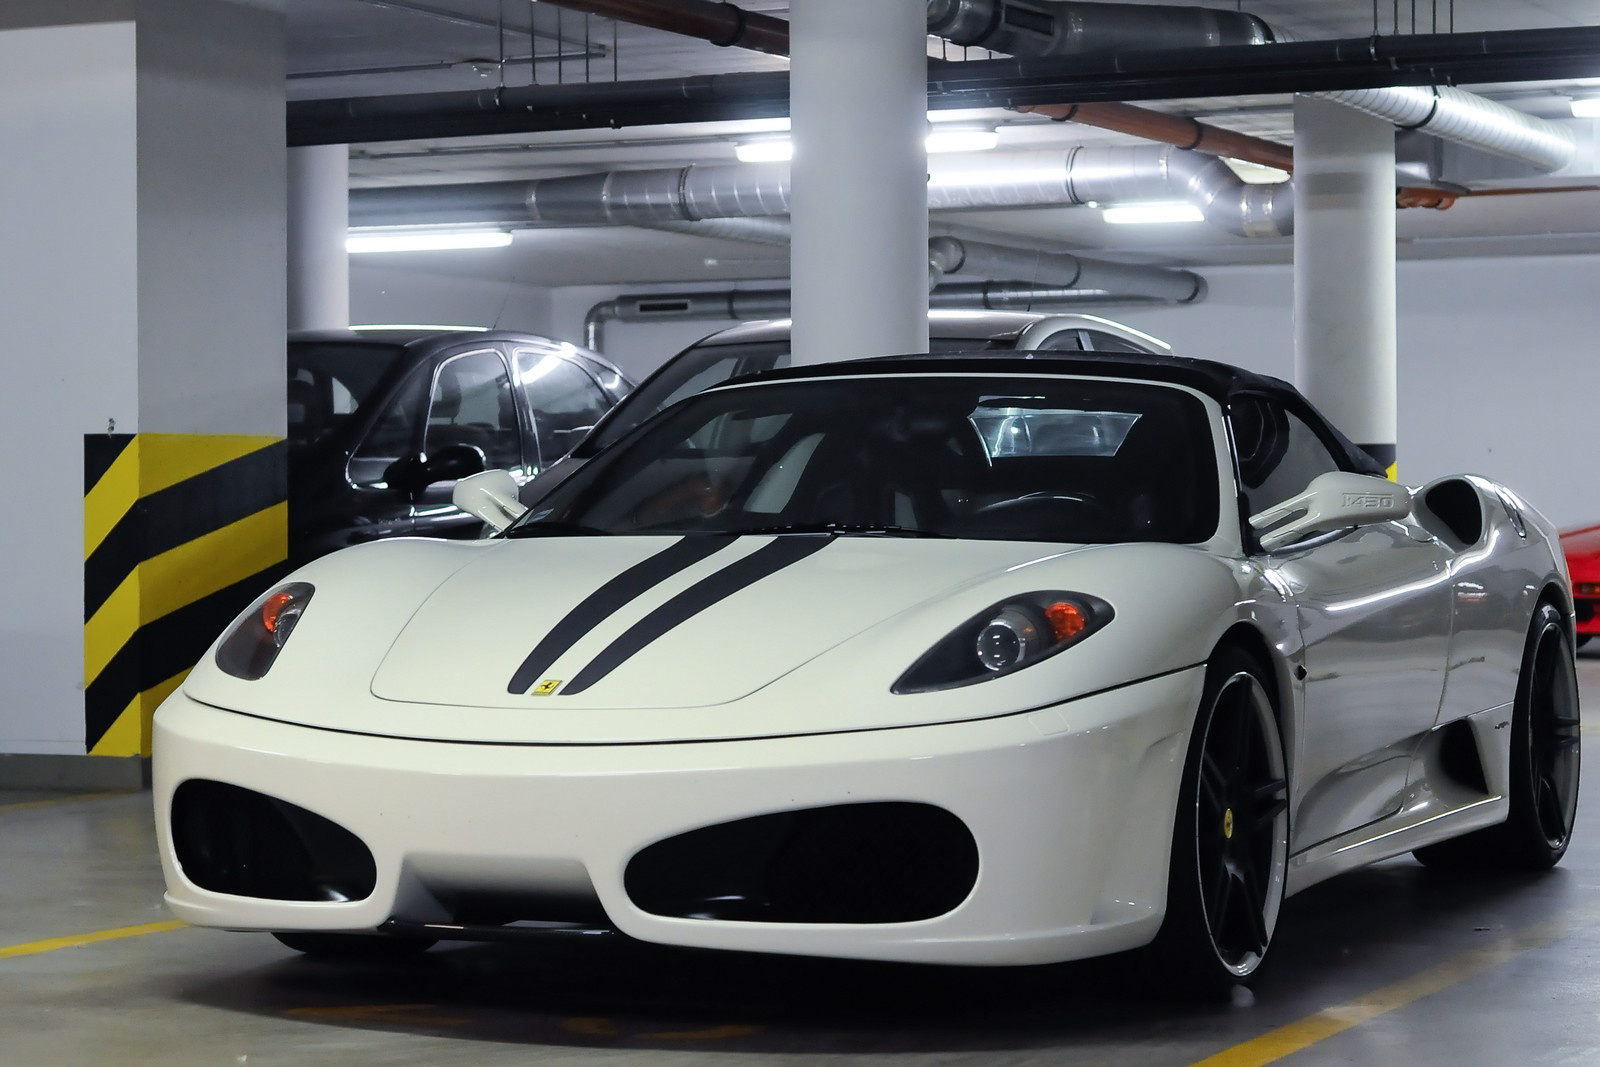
(1546, 748)
(1230, 844)
(1546, 752)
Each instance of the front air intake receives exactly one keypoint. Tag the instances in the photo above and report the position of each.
(247, 844)
(891, 862)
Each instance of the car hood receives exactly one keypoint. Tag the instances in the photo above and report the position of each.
(627, 639)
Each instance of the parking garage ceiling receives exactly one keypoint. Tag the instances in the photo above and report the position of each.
(405, 51)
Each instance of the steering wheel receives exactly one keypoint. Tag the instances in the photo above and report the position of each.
(1051, 512)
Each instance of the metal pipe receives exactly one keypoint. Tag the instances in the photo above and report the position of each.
(1178, 130)
(734, 190)
(721, 24)
(951, 256)
(1043, 28)
(744, 305)
(1147, 74)
(1057, 28)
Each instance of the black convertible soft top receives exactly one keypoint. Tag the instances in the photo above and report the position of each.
(1220, 381)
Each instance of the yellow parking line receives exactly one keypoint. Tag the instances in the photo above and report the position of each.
(34, 948)
(29, 805)
(1297, 1036)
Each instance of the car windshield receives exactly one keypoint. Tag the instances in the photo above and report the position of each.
(1078, 460)
(703, 366)
(329, 381)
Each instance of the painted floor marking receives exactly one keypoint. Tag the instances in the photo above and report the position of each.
(34, 948)
(1297, 1036)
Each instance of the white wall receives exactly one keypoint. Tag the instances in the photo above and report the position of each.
(69, 301)
(380, 293)
(1499, 359)
(141, 287)
(1499, 365)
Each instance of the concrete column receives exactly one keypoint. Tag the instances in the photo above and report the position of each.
(858, 107)
(319, 218)
(1344, 271)
(142, 288)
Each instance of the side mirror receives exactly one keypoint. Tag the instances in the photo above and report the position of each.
(490, 496)
(1332, 501)
(452, 462)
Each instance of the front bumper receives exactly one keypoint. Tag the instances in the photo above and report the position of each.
(1071, 809)
(1586, 607)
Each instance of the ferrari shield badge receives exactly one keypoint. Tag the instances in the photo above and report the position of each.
(546, 687)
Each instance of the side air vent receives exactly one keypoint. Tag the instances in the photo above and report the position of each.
(855, 863)
(1453, 512)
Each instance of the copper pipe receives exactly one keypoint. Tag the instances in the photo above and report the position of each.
(719, 23)
(1192, 134)
(1172, 129)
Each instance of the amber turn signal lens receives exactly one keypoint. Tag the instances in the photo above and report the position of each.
(1067, 620)
(273, 609)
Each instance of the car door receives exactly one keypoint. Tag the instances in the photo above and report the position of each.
(563, 401)
(1374, 610)
(470, 403)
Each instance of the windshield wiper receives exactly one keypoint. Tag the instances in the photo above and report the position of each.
(845, 528)
(555, 528)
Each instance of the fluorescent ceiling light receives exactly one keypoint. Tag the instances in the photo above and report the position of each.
(943, 138)
(1586, 107)
(425, 240)
(1155, 211)
(962, 139)
(769, 150)
(1256, 173)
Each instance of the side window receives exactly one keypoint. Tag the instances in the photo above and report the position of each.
(1100, 341)
(1278, 453)
(471, 404)
(565, 401)
(1063, 341)
(395, 434)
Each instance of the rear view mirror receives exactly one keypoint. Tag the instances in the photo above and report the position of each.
(1332, 501)
(490, 496)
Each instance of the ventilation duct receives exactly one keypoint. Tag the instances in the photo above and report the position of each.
(742, 190)
(1071, 28)
(743, 305)
(951, 257)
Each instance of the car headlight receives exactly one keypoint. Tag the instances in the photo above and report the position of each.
(251, 644)
(1011, 635)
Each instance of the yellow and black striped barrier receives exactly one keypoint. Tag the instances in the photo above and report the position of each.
(180, 533)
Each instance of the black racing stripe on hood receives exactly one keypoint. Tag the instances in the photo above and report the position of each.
(611, 597)
(766, 560)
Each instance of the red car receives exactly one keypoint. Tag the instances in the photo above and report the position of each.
(1582, 548)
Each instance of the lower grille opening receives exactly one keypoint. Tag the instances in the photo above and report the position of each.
(248, 844)
(885, 862)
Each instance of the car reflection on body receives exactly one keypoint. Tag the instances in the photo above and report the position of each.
(1582, 549)
(967, 660)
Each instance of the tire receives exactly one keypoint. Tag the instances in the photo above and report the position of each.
(355, 946)
(1230, 840)
(1545, 759)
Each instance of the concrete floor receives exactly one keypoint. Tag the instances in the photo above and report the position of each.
(1391, 965)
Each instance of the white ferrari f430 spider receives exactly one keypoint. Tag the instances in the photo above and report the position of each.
(995, 659)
